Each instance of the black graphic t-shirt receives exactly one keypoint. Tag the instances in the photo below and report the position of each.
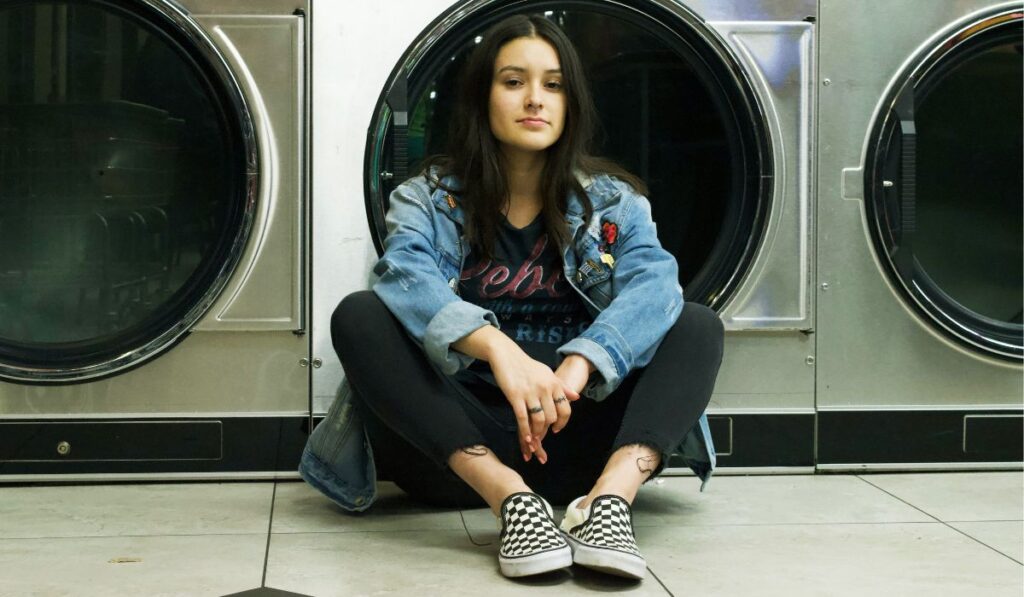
(525, 287)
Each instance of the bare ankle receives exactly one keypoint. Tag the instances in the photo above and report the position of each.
(488, 476)
(627, 469)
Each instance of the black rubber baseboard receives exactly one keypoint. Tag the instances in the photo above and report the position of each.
(748, 440)
(274, 444)
(866, 437)
(112, 446)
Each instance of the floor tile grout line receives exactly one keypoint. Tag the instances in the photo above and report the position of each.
(144, 536)
(639, 528)
(270, 534)
(944, 523)
(457, 528)
(671, 594)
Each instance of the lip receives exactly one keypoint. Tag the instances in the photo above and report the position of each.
(533, 122)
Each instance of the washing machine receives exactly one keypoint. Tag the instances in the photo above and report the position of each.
(920, 235)
(709, 101)
(154, 203)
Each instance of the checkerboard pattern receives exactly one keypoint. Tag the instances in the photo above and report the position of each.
(527, 527)
(610, 525)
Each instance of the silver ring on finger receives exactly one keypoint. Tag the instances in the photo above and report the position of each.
(535, 409)
(561, 399)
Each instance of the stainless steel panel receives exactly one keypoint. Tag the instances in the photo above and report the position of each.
(765, 371)
(873, 351)
(243, 7)
(776, 293)
(235, 372)
(267, 55)
(745, 10)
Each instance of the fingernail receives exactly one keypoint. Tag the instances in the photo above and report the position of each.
(529, 438)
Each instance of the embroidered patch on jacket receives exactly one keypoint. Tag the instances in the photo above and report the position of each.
(609, 234)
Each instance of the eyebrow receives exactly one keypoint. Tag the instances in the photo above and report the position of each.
(519, 69)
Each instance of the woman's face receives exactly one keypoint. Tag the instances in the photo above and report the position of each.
(527, 107)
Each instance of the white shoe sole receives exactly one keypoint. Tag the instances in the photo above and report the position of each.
(539, 563)
(609, 561)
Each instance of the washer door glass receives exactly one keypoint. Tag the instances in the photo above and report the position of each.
(947, 184)
(122, 184)
(674, 109)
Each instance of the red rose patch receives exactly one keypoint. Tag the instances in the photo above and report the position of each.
(610, 231)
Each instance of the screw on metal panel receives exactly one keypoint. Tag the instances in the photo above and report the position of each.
(317, 363)
(809, 360)
(824, 286)
(387, 175)
(63, 448)
(826, 82)
(303, 362)
(887, 183)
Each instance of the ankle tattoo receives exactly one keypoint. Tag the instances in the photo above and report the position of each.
(474, 450)
(647, 464)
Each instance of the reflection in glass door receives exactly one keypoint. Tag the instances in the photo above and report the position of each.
(122, 179)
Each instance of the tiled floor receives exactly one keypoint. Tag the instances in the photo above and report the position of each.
(937, 534)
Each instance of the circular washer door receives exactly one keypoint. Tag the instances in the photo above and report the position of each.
(944, 184)
(127, 174)
(675, 107)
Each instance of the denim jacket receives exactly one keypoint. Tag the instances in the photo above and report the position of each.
(633, 296)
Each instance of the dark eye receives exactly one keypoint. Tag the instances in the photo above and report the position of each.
(555, 85)
(513, 82)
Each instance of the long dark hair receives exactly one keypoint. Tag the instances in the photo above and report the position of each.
(473, 155)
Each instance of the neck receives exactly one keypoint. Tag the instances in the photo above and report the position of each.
(524, 172)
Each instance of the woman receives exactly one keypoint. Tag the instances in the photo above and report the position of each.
(518, 276)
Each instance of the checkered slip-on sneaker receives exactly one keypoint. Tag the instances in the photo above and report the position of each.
(530, 541)
(601, 536)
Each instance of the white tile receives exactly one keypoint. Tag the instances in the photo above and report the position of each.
(197, 566)
(905, 560)
(1007, 537)
(116, 510)
(767, 499)
(420, 564)
(794, 499)
(959, 496)
(298, 508)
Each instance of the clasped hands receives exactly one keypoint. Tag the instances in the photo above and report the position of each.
(540, 397)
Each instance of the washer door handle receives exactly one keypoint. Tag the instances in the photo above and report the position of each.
(904, 254)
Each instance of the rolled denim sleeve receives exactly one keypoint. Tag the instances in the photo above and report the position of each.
(412, 285)
(647, 302)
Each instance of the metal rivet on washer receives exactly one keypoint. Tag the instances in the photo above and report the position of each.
(824, 286)
(887, 184)
(303, 362)
(809, 360)
(63, 448)
(317, 363)
(826, 82)
(385, 175)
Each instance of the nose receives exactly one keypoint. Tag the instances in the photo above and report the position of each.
(533, 97)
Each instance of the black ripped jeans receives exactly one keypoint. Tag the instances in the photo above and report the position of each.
(416, 417)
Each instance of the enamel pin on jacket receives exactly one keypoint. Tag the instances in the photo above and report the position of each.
(628, 283)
